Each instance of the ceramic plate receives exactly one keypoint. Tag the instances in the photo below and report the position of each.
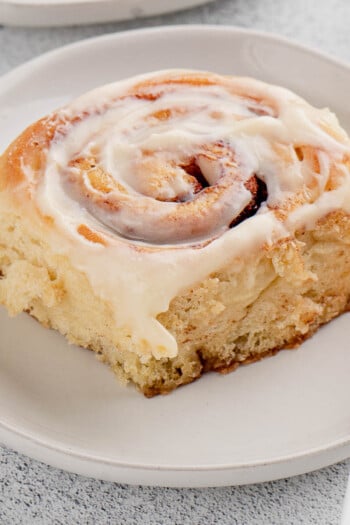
(283, 416)
(69, 12)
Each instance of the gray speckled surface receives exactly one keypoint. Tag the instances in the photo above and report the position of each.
(32, 493)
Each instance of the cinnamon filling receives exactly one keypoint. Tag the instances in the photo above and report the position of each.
(258, 190)
(212, 197)
(150, 181)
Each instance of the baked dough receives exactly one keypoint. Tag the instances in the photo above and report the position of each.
(178, 222)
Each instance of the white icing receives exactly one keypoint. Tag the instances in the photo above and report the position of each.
(141, 284)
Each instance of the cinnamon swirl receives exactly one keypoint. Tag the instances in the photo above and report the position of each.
(178, 222)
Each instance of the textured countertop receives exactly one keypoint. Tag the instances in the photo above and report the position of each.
(33, 493)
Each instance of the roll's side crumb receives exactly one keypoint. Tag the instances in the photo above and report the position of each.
(275, 298)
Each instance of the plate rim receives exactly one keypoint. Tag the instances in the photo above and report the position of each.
(69, 451)
(72, 3)
(274, 37)
(340, 447)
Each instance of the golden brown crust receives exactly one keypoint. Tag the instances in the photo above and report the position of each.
(28, 149)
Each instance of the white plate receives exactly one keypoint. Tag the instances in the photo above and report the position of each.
(283, 416)
(69, 12)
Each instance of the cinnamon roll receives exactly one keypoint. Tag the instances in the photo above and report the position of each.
(178, 222)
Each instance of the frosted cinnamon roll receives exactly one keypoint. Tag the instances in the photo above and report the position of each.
(178, 222)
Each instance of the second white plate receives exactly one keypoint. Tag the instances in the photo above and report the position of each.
(283, 416)
(70, 12)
